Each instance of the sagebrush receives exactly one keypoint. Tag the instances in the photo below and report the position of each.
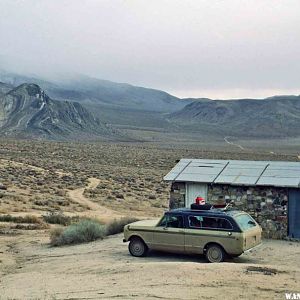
(29, 219)
(59, 218)
(87, 230)
(81, 232)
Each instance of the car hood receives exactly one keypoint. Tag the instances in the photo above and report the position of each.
(144, 223)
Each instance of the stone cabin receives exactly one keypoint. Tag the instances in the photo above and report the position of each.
(267, 190)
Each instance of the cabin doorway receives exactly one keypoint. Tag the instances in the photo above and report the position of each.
(194, 190)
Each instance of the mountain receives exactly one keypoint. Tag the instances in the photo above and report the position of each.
(27, 111)
(145, 112)
(92, 91)
(271, 117)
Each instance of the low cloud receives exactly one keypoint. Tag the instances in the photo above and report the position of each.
(184, 47)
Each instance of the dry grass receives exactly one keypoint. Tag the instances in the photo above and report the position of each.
(59, 218)
(29, 219)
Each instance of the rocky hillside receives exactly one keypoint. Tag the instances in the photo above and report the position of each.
(26, 111)
(271, 117)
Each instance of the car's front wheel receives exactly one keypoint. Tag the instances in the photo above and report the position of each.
(137, 247)
(215, 253)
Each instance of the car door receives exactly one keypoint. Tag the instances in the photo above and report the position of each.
(202, 230)
(169, 234)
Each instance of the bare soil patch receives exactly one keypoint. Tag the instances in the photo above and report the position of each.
(105, 270)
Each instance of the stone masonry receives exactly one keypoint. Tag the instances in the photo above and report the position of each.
(177, 195)
(267, 205)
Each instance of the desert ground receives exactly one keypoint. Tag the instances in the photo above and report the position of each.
(108, 181)
(30, 269)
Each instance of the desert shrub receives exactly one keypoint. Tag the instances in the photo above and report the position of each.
(58, 218)
(3, 187)
(55, 233)
(119, 195)
(117, 226)
(157, 204)
(30, 219)
(81, 232)
(61, 193)
(38, 226)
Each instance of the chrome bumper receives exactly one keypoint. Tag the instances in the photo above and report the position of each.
(255, 247)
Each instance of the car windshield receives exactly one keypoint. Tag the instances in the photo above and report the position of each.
(171, 221)
(245, 221)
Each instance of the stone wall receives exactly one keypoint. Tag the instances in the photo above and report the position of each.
(267, 205)
(177, 195)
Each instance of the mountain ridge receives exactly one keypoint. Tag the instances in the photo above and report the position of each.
(27, 111)
(270, 117)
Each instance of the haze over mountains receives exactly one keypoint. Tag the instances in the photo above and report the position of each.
(91, 104)
(5, 88)
(106, 93)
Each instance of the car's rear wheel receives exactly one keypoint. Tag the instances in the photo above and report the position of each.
(137, 247)
(215, 253)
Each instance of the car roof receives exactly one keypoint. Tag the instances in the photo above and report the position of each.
(209, 212)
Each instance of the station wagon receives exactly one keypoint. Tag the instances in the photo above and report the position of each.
(214, 233)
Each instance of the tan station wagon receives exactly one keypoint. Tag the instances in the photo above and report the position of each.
(214, 233)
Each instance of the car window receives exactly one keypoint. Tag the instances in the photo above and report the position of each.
(209, 223)
(171, 221)
(195, 221)
(245, 221)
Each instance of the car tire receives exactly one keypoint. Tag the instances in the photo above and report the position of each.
(137, 247)
(215, 253)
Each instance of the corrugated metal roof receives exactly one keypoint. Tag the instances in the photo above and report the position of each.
(237, 172)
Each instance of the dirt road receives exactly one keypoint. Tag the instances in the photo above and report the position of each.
(94, 209)
(30, 269)
(226, 139)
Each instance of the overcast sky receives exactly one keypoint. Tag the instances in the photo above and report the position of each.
(217, 49)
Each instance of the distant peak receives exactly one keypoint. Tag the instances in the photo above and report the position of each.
(31, 89)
